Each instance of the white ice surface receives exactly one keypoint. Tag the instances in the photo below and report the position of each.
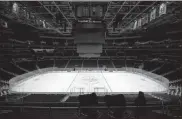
(88, 82)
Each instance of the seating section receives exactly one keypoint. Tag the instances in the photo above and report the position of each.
(45, 64)
(55, 113)
(72, 99)
(63, 114)
(100, 98)
(106, 63)
(36, 114)
(11, 97)
(75, 99)
(132, 97)
(12, 68)
(149, 66)
(119, 63)
(2, 98)
(6, 76)
(171, 98)
(44, 98)
(27, 65)
(15, 97)
(29, 113)
(89, 63)
(32, 98)
(74, 63)
(58, 97)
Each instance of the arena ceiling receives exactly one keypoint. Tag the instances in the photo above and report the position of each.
(155, 47)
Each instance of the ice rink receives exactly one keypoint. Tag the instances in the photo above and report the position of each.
(88, 81)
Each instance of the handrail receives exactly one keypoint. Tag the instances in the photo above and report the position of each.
(128, 102)
(91, 107)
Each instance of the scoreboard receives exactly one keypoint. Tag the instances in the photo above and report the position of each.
(89, 38)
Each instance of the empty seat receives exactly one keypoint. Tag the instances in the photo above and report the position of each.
(88, 100)
(115, 100)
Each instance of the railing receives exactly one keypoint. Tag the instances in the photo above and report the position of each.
(164, 108)
(63, 103)
(159, 105)
(86, 107)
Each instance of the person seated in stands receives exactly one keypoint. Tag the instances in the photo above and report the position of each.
(94, 99)
(140, 101)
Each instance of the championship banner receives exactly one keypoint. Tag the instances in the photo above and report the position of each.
(15, 8)
(85, 11)
(145, 19)
(79, 11)
(162, 9)
(135, 24)
(153, 14)
(100, 11)
(93, 11)
(44, 24)
(139, 22)
(130, 25)
(28, 15)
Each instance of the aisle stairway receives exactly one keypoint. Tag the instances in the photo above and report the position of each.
(44, 98)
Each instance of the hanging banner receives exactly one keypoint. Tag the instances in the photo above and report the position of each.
(44, 24)
(162, 9)
(85, 11)
(139, 23)
(37, 22)
(145, 19)
(93, 11)
(15, 8)
(135, 24)
(28, 15)
(130, 25)
(79, 11)
(153, 14)
(100, 10)
(23, 13)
